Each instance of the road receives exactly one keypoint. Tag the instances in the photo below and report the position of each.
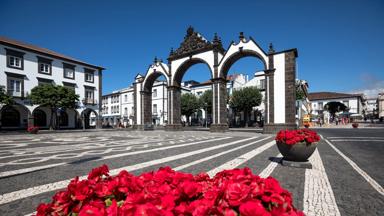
(33, 167)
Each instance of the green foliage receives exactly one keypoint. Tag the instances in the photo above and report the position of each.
(53, 97)
(299, 94)
(334, 107)
(205, 101)
(189, 104)
(245, 99)
(4, 97)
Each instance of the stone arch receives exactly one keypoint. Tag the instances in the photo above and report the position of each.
(15, 116)
(39, 117)
(89, 118)
(63, 119)
(156, 70)
(234, 57)
(183, 68)
(243, 48)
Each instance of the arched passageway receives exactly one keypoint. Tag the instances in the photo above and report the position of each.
(89, 118)
(40, 118)
(14, 116)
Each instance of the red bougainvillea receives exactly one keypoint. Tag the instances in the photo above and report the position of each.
(167, 192)
(291, 137)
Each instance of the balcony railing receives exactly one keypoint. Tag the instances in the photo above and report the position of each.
(89, 101)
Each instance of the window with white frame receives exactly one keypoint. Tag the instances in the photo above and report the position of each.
(89, 95)
(44, 65)
(15, 59)
(14, 87)
(69, 71)
(89, 75)
(125, 98)
(45, 68)
(125, 111)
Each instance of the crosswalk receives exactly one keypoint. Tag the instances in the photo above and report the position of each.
(46, 165)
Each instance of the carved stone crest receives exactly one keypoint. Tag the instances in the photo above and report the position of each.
(195, 43)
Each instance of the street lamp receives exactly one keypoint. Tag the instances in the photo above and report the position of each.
(206, 115)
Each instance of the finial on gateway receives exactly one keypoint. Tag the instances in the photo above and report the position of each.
(271, 50)
(241, 36)
(190, 30)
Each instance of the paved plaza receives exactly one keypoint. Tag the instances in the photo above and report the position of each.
(347, 177)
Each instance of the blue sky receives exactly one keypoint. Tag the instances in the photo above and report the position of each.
(340, 43)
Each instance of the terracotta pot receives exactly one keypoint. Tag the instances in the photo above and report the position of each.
(355, 125)
(299, 152)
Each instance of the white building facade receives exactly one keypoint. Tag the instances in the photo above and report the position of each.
(24, 66)
(118, 107)
(354, 102)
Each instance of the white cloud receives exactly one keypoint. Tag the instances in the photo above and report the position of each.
(372, 85)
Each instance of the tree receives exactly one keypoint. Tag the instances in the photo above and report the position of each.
(54, 97)
(4, 97)
(189, 105)
(333, 107)
(244, 100)
(205, 101)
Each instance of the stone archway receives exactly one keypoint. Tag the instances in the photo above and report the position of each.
(15, 116)
(279, 72)
(175, 89)
(40, 117)
(142, 95)
(89, 118)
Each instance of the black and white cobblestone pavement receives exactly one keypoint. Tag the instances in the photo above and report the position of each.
(347, 177)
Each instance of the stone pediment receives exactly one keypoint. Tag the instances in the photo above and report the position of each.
(195, 43)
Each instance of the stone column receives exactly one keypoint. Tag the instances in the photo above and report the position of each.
(146, 114)
(290, 89)
(271, 126)
(174, 108)
(219, 109)
(99, 121)
(31, 120)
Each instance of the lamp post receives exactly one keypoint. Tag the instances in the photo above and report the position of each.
(206, 115)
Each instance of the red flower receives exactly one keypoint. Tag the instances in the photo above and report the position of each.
(166, 192)
(291, 137)
(94, 208)
(190, 188)
(44, 209)
(96, 174)
(236, 193)
(253, 208)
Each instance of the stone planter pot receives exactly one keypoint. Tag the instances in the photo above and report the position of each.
(300, 152)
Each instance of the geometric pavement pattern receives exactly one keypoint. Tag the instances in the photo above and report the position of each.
(34, 167)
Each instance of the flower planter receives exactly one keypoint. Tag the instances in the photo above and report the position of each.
(355, 125)
(299, 152)
(33, 130)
